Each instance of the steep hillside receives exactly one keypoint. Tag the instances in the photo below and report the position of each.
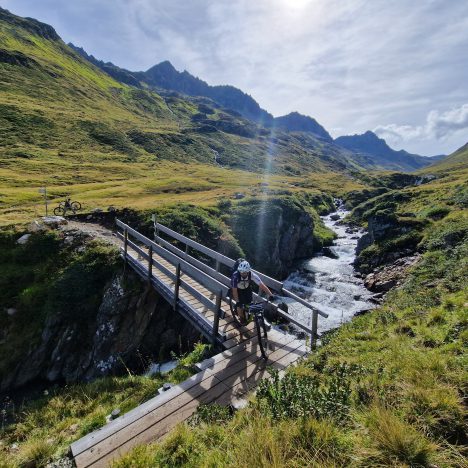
(165, 76)
(374, 151)
(455, 162)
(71, 127)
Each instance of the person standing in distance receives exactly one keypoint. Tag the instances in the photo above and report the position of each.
(241, 286)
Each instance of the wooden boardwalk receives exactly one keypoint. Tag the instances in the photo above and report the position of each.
(198, 292)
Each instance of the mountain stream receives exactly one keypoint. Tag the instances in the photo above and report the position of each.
(330, 283)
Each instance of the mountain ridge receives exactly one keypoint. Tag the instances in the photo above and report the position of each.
(164, 75)
(369, 144)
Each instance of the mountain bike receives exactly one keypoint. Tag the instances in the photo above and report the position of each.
(254, 310)
(62, 208)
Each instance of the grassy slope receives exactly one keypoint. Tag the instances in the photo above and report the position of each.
(70, 127)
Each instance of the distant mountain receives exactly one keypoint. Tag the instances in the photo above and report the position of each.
(368, 150)
(371, 148)
(302, 123)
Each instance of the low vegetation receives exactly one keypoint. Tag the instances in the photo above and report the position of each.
(43, 277)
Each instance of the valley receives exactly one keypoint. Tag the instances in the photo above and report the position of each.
(385, 388)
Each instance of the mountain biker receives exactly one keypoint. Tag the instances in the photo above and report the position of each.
(67, 205)
(241, 286)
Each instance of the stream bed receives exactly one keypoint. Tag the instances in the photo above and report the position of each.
(329, 283)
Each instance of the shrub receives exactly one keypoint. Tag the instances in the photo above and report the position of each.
(295, 396)
(447, 234)
(211, 414)
(37, 452)
(438, 212)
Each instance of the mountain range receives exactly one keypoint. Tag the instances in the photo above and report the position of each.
(373, 152)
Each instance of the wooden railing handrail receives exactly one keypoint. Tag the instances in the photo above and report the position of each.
(220, 258)
(210, 283)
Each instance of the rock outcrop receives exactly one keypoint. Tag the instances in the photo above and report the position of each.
(132, 326)
(277, 233)
(389, 276)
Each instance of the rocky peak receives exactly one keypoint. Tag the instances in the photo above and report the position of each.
(296, 122)
(29, 24)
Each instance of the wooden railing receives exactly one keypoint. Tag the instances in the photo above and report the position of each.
(221, 259)
(218, 289)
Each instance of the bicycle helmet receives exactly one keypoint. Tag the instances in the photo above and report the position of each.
(244, 267)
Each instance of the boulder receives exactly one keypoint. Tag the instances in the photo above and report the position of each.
(23, 239)
(54, 221)
(330, 253)
(335, 217)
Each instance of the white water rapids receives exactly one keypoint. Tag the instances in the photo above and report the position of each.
(329, 283)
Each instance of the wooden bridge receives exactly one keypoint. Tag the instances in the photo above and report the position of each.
(197, 290)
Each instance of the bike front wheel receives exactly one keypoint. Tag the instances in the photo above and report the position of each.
(262, 336)
(59, 211)
(76, 206)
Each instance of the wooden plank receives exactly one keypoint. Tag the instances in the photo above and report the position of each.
(276, 338)
(208, 389)
(216, 363)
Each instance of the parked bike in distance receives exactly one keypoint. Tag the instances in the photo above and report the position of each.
(65, 206)
(255, 310)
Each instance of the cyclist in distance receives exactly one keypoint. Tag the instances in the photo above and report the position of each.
(67, 205)
(241, 286)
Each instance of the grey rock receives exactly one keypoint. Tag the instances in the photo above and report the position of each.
(329, 252)
(54, 221)
(23, 239)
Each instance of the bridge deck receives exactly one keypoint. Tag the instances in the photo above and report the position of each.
(223, 379)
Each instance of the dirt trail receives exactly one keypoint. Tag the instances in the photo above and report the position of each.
(94, 230)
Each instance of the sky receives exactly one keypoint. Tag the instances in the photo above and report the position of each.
(399, 68)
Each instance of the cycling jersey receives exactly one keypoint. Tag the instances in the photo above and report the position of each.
(244, 283)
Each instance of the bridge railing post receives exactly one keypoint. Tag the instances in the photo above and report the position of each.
(150, 264)
(177, 286)
(125, 244)
(217, 313)
(313, 332)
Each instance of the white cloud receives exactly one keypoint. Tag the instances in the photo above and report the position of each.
(438, 126)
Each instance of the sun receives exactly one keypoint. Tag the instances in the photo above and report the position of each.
(297, 4)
